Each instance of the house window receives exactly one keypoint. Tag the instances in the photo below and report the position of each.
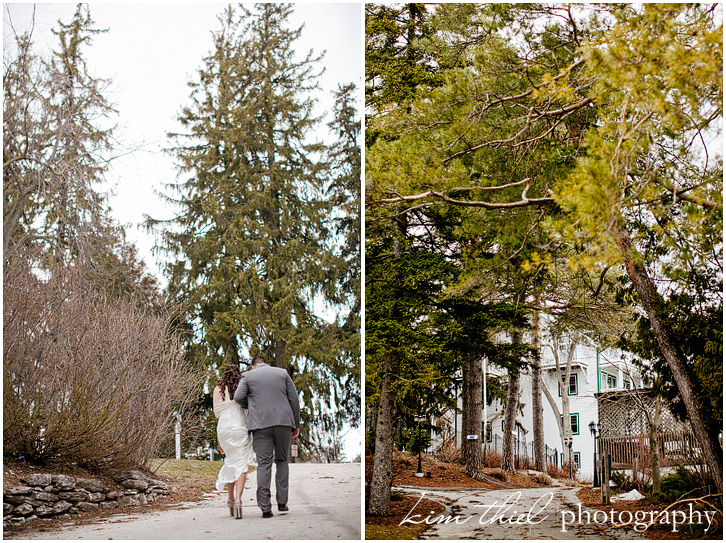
(502, 425)
(564, 347)
(610, 381)
(489, 434)
(627, 384)
(574, 423)
(572, 389)
(575, 459)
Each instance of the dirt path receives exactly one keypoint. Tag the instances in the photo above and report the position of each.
(527, 513)
(324, 503)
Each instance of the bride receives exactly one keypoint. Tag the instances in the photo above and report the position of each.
(234, 440)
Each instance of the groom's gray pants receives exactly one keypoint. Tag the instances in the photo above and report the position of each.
(271, 444)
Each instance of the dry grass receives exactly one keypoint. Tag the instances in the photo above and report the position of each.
(375, 531)
(192, 478)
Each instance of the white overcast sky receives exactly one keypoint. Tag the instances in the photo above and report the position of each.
(150, 52)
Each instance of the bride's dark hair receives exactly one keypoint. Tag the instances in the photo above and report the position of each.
(229, 380)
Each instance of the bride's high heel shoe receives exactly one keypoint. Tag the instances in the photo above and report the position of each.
(230, 505)
(237, 510)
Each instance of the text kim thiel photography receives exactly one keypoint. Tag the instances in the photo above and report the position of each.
(508, 512)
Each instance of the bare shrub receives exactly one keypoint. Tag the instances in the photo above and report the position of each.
(498, 473)
(559, 472)
(523, 463)
(492, 459)
(640, 464)
(87, 379)
(449, 452)
(542, 479)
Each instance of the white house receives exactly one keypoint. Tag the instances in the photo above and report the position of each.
(593, 370)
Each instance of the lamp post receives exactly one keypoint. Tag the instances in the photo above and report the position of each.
(593, 431)
(568, 443)
(177, 434)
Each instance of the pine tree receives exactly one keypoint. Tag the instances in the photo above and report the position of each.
(345, 193)
(252, 238)
(57, 136)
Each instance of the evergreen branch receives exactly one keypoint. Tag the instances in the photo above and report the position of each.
(526, 237)
(564, 112)
(534, 87)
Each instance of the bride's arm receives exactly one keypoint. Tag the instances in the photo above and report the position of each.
(216, 399)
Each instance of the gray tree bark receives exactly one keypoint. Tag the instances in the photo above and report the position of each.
(510, 416)
(379, 502)
(540, 461)
(653, 442)
(471, 423)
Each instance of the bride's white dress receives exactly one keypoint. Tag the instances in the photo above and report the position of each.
(235, 440)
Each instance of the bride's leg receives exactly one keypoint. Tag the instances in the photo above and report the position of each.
(230, 498)
(239, 486)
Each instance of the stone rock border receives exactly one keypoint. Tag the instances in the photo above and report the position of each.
(43, 495)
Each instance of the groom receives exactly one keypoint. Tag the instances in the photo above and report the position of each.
(273, 421)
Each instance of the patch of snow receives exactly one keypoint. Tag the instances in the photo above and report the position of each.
(633, 495)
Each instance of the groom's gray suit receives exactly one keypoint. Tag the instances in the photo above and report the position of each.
(274, 413)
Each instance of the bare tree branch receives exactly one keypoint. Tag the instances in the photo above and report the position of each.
(523, 202)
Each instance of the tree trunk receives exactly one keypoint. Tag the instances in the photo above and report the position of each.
(653, 306)
(653, 441)
(540, 462)
(379, 501)
(231, 352)
(471, 419)
(280, 353)
(566, 428)
(510, 416)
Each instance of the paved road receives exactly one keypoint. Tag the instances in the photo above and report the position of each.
(324, 501)
(527, 513)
